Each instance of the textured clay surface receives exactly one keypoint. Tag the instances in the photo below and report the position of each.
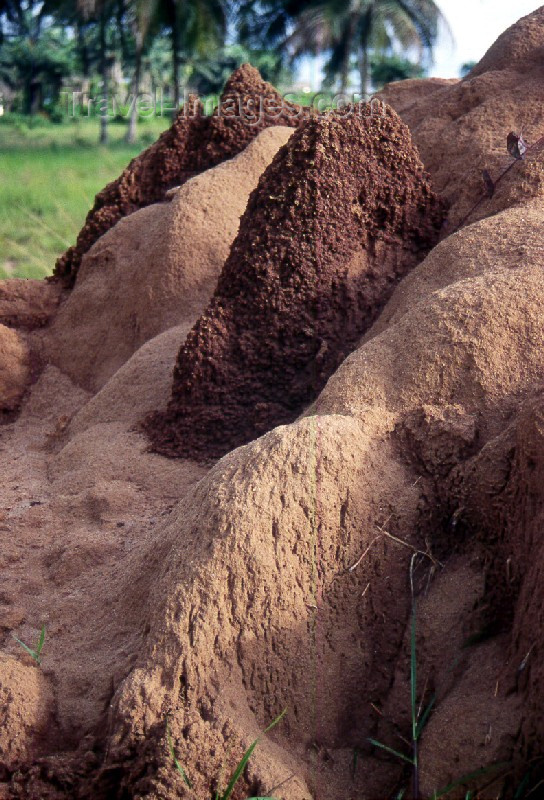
(155, 269)
(26, 711)
(14, 368)
(28, 304)
(280, 576)
(342, 213)
(460, 126)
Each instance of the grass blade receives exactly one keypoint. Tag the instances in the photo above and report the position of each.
(413, 674)
(173, 754)
(239, 769)
(413, 656)
(247, 755)
(413, 684)
(520, 791)
(354, 762)
(470, 776)
(275, 721)
(538, 785)
(423, 721)
(40, 643)
(35, 654)
(390, 750)
(28, 649)
(221, 771)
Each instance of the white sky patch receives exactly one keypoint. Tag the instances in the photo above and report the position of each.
(475, 24)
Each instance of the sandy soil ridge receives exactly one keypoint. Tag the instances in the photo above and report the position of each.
(279, 575)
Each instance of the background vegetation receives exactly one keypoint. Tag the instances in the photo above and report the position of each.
(55, 154)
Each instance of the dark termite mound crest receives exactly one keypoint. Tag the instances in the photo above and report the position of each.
(341, 214)
(192, 144)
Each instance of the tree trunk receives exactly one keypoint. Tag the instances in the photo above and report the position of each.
(30, 99)
(344, 75)
(32, 96)
(131, 133)
(176, 57)
(104, 137)
(344, 72)
(364, 53)
(83, 52)
(27, 94)
(364, 70)
(121, 30)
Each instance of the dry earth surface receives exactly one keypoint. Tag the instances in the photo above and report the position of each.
(218, 592)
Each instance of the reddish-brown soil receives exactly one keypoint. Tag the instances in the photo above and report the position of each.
(503, 507)
(157, 268)
(341, 214)
(192, 144)
(28, 304)
(14, 368)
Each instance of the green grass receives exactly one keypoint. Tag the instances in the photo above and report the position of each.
(36, 653)
(49, 175)
(418, 723)
(225, 794)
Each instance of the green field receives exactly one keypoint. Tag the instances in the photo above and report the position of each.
(49, 175)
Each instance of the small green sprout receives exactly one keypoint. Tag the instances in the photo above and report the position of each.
(174, 758)
(419, 722)
(237, 774)
(35, 654)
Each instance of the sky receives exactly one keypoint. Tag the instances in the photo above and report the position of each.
(474, 24)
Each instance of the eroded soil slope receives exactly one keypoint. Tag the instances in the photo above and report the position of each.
(341, 214)
(279, 576)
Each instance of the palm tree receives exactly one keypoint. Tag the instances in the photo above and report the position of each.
(76, 16)
(345, 28)
(36, 55)
(101, 9)
(141, 15)
(359, 26)
(197, 27)
(138, 15)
